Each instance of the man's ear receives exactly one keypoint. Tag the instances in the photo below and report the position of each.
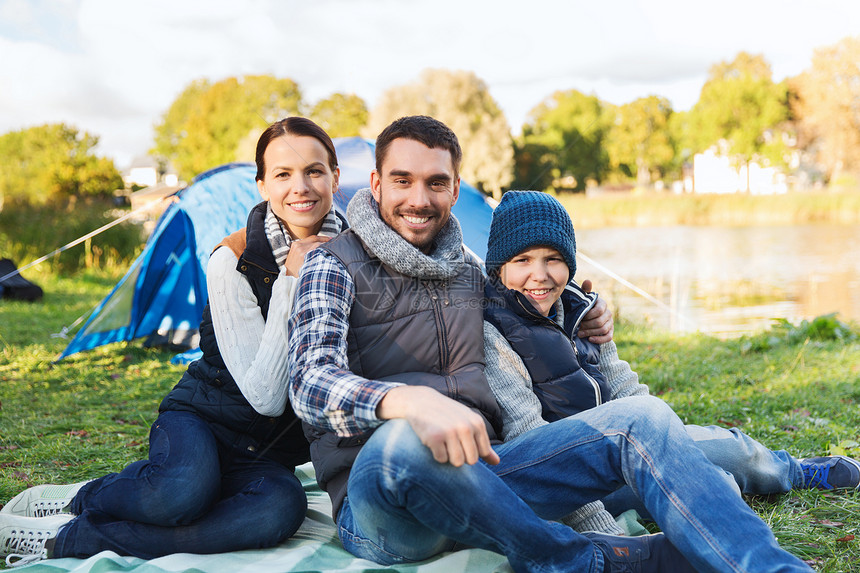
(375, 185)
(456, 192)
(262, 189)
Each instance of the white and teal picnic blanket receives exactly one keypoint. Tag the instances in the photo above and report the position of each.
(314, 548)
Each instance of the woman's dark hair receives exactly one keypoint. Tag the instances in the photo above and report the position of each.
(299, 126)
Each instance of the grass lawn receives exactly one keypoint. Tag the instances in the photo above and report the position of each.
(794, 387)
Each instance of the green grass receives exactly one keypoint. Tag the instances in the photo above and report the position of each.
(30, 231)
(796, 387)
(84, 416)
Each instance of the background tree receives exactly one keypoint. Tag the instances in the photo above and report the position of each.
(828, 106)
(742, 106)
(535, 166)
(53, 162)
(572, 127)
(207, 123)
(681, 136)
(341, 115)
(639, 140)
(170, 130)
(463, 102)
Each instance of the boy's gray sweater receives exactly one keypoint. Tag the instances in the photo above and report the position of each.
(521, 410)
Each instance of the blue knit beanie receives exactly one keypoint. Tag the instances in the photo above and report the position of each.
(526, 219)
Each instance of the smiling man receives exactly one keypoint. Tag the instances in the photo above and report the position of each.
(417, 217)
(387, 370)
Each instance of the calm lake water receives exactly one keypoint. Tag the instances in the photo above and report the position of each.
(725, 281)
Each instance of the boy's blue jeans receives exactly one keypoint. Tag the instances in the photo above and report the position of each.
(756, 469)
(192, 495)
(403, 506)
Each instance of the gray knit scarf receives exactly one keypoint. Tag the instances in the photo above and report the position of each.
(280, 240)
(444, 262)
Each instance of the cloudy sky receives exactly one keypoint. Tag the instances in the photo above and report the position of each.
(112, 67)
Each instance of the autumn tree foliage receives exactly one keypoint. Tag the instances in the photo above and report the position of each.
(341, 114)
(743, 109)
(639, 141)
(827, 106)
(563, 136)
(209, 123)
(463, 102)
(53, 162)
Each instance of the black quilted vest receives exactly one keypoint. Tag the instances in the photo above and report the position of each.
(563, 367)
(208, 389)
(404, 329)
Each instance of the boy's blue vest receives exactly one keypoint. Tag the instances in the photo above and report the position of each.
(563, 367)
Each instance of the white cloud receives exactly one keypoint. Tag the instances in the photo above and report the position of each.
(112, 68)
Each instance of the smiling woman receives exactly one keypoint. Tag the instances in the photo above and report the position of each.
(220, 474)
(296, 175)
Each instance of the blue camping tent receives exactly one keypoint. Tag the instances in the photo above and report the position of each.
(163, 293)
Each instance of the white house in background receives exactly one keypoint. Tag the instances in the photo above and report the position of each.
(143, 171)
(715, 173)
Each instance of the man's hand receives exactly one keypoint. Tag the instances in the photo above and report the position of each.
(454, 433)
(597, 324)
(298, 249)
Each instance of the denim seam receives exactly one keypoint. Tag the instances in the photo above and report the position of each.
(682, 509)
(549, 455)
(441, 502)
(344, 532)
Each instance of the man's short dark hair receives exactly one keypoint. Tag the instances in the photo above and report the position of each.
(423, 129)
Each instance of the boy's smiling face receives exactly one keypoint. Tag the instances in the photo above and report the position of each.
(540, 273)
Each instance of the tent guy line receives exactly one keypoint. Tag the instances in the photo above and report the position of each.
(80, 240)
(641, 292)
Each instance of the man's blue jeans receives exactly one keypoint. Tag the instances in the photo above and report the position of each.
(192, 495)
(756, 469)
(403, 506)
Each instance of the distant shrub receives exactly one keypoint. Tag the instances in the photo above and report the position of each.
(825, 328)
(28, 232)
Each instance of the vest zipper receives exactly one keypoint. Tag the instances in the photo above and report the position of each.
(443, 333)
(598, 395)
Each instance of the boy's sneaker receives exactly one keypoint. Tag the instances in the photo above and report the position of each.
(641, 554)
(42, 500)
(831, 472)
(22, 539)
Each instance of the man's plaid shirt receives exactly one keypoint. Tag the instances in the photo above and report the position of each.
(323, 392)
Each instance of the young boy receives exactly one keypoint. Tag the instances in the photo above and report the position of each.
(540, 371)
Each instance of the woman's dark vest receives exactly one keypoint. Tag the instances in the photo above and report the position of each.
(563, 367)
(404, 329)
(208, 389)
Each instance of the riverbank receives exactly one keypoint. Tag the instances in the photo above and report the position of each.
(726, 280)
(666, 209)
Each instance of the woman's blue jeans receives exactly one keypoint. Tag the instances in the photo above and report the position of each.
(403, 506)
(193, 495)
